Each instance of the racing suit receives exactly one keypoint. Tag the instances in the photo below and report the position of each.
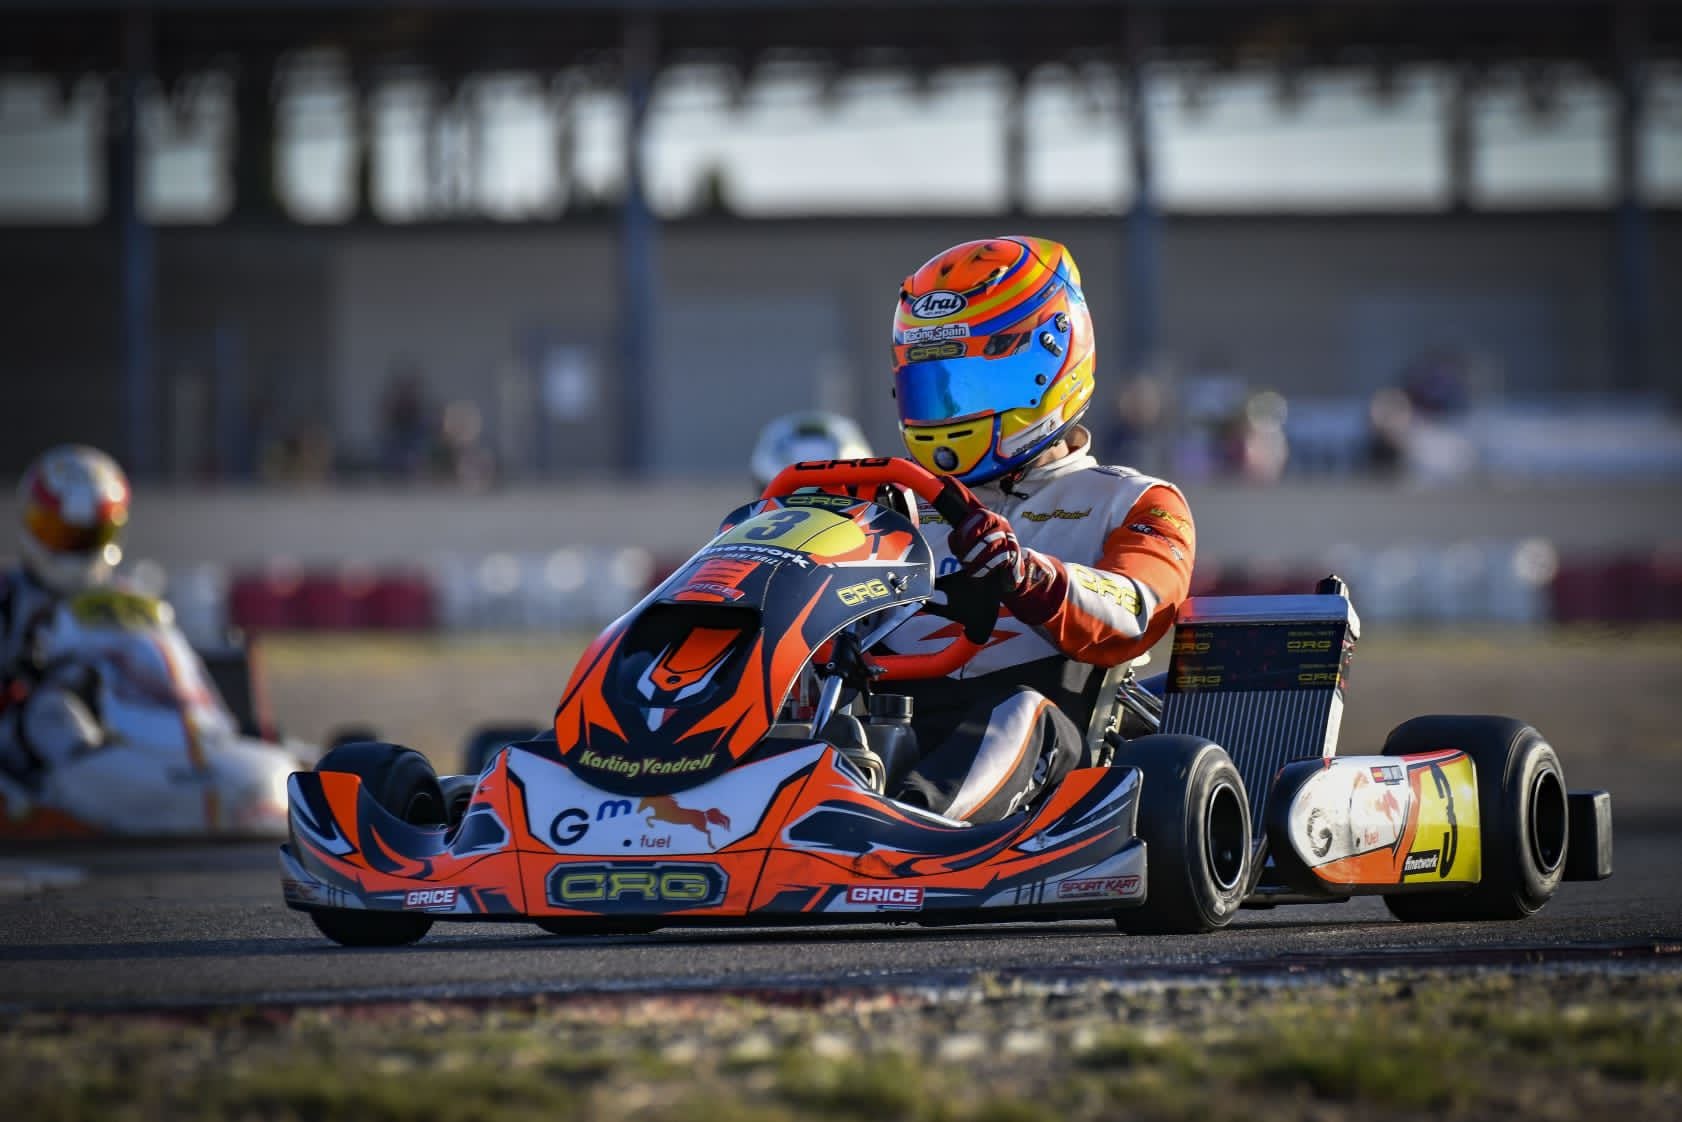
(45, 715)
(1115, 550)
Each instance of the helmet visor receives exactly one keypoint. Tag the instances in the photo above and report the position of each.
(933, 392)
(49, 528)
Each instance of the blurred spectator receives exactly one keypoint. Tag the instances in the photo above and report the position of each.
(1438, 382)
(1231, 431)
(1208, 399)
(465, 459)
(1418, 430)
(1137, 436)
(1252, 444)
(1389, 417)
(407, 432)
(302, 455)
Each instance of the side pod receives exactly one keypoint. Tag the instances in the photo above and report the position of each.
(1356, 825)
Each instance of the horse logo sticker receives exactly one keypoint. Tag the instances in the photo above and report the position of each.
(664, 808)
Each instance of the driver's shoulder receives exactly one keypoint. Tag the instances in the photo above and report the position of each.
(1109, 489)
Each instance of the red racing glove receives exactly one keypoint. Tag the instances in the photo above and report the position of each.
(1030, 584)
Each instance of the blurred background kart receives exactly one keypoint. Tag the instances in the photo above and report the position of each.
(176, 758)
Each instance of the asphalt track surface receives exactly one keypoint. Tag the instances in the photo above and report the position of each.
(201, 925)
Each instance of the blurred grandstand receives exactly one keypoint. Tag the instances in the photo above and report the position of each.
(1383, 283)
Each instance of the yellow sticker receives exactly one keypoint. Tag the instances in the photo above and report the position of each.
(1447, 840)
(111, 607)
(800, 530)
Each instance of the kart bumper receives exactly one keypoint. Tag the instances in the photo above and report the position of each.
(793, 839)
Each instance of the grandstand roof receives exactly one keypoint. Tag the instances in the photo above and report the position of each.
(78, 36)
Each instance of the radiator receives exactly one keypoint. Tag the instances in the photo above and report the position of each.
(1263, 677)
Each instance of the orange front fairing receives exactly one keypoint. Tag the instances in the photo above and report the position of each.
(688, 683)
(792, 833)
(849, 850)
(347, 851)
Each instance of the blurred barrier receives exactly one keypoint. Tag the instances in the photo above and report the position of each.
(1622, 589)
(1522, 582)
(566, 589)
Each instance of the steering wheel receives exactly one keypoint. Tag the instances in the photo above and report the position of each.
(950, 499)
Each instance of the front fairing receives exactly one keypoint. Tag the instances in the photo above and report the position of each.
(686, 685)
(790, 835)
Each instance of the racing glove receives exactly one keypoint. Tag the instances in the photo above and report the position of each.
(1030, 584)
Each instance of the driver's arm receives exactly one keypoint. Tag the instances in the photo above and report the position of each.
(1117, 609)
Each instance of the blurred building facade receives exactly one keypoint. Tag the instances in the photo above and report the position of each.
(377, 310)
(264, 336)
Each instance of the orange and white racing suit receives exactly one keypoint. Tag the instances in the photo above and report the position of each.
(1003, 729)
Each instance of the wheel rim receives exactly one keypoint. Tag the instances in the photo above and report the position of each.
(1547, 821)
(1224, 839)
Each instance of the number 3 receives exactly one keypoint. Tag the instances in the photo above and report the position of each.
(777, 525)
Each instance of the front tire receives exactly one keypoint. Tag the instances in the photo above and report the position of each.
(1194, 819)
(401, 781)
(1522, 818)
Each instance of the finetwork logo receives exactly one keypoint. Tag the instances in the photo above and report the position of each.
(1425, 862)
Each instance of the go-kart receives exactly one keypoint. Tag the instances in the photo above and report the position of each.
(176, 762)
(683, 785)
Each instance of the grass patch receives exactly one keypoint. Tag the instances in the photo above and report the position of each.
(1355, 1064)
(1430, 1046)
(878, 1088)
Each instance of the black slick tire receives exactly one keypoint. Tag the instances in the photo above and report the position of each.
(1194, 818)
(403, 782)
(1522, 818)
(485, 742)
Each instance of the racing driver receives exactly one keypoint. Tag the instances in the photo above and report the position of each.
(75, 502)
(993, 368)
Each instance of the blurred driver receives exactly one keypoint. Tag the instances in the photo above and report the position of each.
(75, 503)
(993, 368)
(812, 435)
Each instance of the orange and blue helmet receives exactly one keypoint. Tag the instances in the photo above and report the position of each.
(993, 356)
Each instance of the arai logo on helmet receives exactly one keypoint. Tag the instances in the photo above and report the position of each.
(937, 305)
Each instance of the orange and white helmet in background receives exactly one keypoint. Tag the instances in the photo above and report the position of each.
(993, 356)
(75, 504)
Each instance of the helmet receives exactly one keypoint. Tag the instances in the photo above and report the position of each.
(992, 356)
(805, 436)
(75, 504)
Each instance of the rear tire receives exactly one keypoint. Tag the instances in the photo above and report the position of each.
(402, 781)
(1194, 819)
(1523, 822)
(345, 735)
(486, 741)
